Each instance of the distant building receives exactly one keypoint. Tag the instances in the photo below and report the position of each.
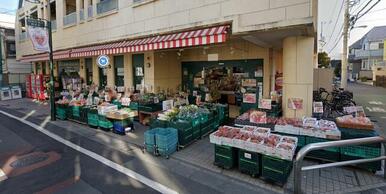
(366, 54)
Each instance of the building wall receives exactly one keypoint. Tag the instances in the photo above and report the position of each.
(298, 60)
(162, 16)
(167, 71)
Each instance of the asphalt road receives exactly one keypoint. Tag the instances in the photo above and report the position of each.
(58, 168)
(373, 100)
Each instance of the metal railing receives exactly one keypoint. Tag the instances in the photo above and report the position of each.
(22, 36)
(53, 24)
(298, 167)
(81, 14)
(106, 6)
(89, 11)
(69, 19)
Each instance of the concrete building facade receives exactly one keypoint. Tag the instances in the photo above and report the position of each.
(281, 33)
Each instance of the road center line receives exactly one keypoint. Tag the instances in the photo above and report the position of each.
(153, 184)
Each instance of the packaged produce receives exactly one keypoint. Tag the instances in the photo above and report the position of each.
(349, 121)
(310, 122)
(258, 117)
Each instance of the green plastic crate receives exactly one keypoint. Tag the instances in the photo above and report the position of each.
(185, 131)
(370, 166)
(275, 169)
(133, 105)
(249, 162)
(196, 131)
(104, 123)
(92, 122)
(155, 123)
(225, 156)
(75, 111)
(275, 175)
(347, 133)
(310, 140)
(361, 151)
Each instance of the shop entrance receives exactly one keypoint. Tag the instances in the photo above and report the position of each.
(102, 77)
(118, 70)
(69, 74)
(88, 62)
(138, 71)
(238, 83)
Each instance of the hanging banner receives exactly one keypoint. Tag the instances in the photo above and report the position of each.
(39, 38)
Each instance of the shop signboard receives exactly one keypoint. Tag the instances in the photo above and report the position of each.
(167, 104)
(265, 104)
(248, 82)
(103, 61)
(295, 103)
(355, 110)
(318, 107)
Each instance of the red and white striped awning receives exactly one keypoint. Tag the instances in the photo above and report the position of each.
(44, 56)
(191, 38)
(177, 40)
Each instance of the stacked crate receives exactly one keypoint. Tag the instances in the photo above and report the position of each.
(275, 169)
(166, 140)
(225, 156)
(185, 132)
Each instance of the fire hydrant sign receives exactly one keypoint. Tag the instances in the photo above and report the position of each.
(103, 61)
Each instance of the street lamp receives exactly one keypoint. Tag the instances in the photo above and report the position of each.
(51, 57)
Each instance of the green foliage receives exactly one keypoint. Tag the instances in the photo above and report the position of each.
(323, 60)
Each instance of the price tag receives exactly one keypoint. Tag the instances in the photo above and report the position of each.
(247, 155)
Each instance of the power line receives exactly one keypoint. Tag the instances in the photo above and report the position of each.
(336, 43)
(336, 22)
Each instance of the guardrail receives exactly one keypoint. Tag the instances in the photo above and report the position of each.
(298, 167)
(53, 25)
(89, 11)
(81, 14)
(106, 6)
(69, 19)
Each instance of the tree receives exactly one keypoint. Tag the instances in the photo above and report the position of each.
(323, 60)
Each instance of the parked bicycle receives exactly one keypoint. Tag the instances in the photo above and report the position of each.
(334, 101)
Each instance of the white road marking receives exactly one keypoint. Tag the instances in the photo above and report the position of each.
(376, 109)
(376, 102)
(3, 176)
(29, 114)
(153, 184)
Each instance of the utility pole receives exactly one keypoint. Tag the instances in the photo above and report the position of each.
(343, 81)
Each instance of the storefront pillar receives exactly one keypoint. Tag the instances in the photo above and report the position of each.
(149, 71)
(110, 73)
(128, 71)
(82, 70)
(56, 69)
(95, 70)
(298, 59)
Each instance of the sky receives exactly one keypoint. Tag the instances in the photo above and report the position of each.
(329, 15)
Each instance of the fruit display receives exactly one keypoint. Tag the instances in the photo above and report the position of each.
(258, 117)
(352, 122)
(308, 127)
(255, 139)
(168, 115)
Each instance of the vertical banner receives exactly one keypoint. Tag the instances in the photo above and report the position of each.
(39, 37)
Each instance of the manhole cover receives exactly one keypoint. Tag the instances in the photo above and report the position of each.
(28, 160)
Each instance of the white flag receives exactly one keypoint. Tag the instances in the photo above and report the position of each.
(39, 38)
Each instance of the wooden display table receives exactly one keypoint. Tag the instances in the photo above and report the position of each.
(142, 115)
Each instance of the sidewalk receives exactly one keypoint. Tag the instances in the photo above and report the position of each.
(196, 161)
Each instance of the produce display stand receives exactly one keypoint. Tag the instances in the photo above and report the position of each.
(142, 115)
(225, 156)
(121, 122)
(249, 162)
(275, 169)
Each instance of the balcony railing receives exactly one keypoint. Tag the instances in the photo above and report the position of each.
(53, 24)
(22, 36)
(69, 19)
(106, 6)
(81, 15)
(89, 11)
(364, 54)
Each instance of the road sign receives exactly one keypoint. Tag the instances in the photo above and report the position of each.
(103, 61)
